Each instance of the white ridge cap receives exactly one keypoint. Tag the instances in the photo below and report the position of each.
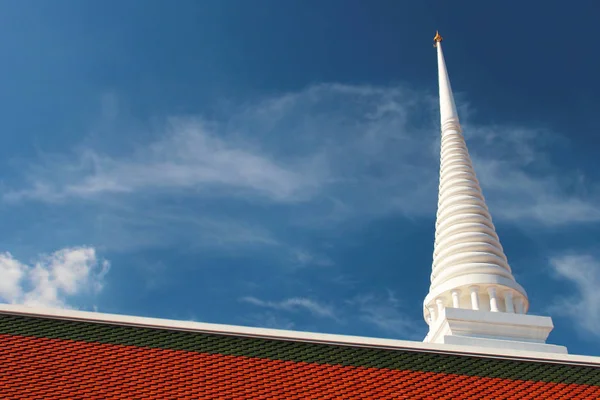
(324, 338)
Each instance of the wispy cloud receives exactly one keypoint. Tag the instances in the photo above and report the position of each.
(294, 304)
(268, 319)
(190, 156)
(157, 226)
(325, 155)
(304, 257)
(385, 312)
(522, 181)
(379, 313)
(53, 280)
(583, 307)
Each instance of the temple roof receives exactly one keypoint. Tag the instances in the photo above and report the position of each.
(56, 354)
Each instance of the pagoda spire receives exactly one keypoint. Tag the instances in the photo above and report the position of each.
(470, 270)
(467, 250)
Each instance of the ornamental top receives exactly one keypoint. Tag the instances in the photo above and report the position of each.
(438, 38)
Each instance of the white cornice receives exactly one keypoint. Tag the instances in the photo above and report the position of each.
(323, 338)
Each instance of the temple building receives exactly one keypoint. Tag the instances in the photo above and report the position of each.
(481, 343)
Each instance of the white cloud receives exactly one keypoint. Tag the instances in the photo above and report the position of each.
(53, 280)
(294, 304)
(518, 196)
(317, 143)
(331, 153)
(583, 307)
(268, 320)
(384, 312)
(11, 275)
(156, 227)
(303, 258)
(189, 156)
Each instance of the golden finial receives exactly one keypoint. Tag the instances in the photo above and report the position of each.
(438, 38)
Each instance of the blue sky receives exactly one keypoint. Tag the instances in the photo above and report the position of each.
(275, 163)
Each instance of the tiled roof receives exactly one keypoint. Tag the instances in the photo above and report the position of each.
(46, 358)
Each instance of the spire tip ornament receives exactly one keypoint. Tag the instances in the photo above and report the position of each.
(437, 38)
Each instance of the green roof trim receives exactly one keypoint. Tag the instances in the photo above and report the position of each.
(288, 350)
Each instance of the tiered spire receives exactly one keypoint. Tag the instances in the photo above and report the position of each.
(470, 270)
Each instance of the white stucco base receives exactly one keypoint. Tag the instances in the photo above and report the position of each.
(493, 329)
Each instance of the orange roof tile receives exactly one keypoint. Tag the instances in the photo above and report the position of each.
(50, 359)
(43, 368)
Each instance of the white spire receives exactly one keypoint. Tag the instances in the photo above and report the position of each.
(448, 112)
(470, 270)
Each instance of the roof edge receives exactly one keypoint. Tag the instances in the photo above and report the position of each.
(278, 334)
